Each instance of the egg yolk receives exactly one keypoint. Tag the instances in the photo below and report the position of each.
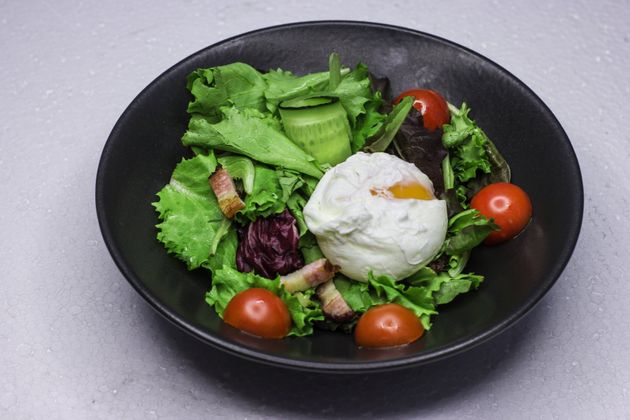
(404, 190)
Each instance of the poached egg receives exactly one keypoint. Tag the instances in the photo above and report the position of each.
(376, 212)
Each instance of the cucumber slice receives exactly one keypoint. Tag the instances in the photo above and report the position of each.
(319, 125)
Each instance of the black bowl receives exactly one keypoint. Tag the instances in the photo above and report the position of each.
(144, 147)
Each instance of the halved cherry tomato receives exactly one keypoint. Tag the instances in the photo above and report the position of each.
(508, 205)
(431, 105)
(387, 326)
(258, 312)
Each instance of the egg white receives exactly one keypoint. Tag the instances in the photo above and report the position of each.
(362, 232)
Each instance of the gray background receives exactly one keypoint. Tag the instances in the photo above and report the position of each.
(77, 342)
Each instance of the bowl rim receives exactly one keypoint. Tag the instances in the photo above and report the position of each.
(424, 357)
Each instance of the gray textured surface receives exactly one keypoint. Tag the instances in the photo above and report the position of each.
(77, 342)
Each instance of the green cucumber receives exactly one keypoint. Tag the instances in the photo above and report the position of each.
(319, 125)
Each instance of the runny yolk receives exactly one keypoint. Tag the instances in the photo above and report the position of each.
(404, 190)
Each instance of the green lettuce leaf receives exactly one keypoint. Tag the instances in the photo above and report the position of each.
(353, 88)
(368, 124)
(466, 230)
(473, 160)
(451, 287)
(296, 204)
(417, 299)
(265, 198)
(309, 248)
(235, 84)
(389, 128)
(357, 295)
(420, 293)
(272, 192)
(383, 289)
(225, 255)
(253, 134)
(354, 92)
(240, 167)
(334, 70)
(284, 85)
(290, 181)
(303, 308)
(192, 223)
(442, 286)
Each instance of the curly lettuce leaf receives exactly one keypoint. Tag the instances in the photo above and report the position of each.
(253, 134)
(192, 223)
(265, 198)
(354, 92)
(271, 193)
(290, 182)
(381, 289)
(283, 85)
(452, 287)
(420, 293)
(227, 282)
(235, 84)
(473, 160)
(444, 287)
(466, 230)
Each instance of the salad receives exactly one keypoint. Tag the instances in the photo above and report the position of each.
(316, 201)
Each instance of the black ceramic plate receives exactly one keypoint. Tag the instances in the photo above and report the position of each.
(144, 147)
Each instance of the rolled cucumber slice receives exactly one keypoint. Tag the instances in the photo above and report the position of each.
(319, 125)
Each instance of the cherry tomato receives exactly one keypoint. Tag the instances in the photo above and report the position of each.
(386, 326)
(258, 312)
(431, 105)
(508, 205)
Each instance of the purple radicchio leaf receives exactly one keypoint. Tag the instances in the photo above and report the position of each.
(269, 246)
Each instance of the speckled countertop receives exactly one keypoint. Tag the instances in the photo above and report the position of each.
(76, 341)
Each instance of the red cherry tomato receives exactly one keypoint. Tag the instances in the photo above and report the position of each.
(258, 312)
(431, 105)
(508, 205)
(386, 326)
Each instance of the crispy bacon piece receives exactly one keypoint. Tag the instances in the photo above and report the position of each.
(310, 275)
(333, 304)
(223, 186)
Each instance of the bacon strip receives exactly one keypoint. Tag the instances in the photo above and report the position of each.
(310, 275)
(333, 304)
(223, 186)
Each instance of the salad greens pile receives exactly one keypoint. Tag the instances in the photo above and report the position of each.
(237, 122)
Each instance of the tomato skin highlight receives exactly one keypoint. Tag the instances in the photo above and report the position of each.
(259, 312)
(508, 205)
(431, 105)
(387, 325)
